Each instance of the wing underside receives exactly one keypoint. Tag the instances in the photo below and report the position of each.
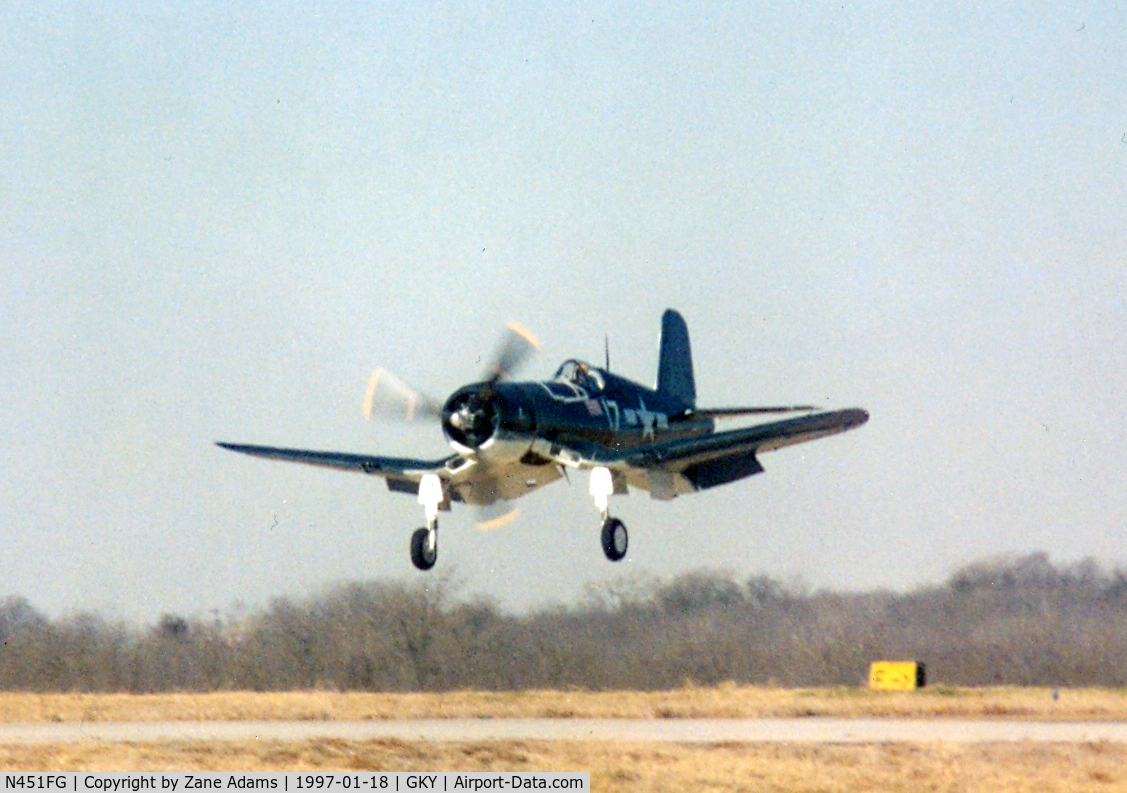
(464, 479)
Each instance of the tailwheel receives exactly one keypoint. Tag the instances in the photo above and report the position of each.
(614, 539)
(424, 547)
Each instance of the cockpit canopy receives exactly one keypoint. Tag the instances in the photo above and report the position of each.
(581, 374)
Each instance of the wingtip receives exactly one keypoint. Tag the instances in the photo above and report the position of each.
(241, 448)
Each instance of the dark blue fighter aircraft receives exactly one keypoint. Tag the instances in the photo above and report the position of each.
(510, 438)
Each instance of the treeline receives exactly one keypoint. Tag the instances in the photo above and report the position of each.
(1020, 621)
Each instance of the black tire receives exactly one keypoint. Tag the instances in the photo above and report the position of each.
(419, 555)
(615, 539)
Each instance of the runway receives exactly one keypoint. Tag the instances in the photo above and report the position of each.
(816, 730)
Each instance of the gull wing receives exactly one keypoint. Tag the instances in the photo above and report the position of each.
(402, 473)
(669, 468)
(466, 479)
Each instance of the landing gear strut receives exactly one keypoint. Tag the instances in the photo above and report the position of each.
(424, 540)
(614, 537)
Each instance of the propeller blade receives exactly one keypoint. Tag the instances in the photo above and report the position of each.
(515, 348)
(730, 412)
(496, 515)
(390, 397)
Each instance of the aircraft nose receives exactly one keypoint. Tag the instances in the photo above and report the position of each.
(516, 414)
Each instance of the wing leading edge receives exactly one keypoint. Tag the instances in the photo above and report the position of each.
(705, 461)
(401, 469)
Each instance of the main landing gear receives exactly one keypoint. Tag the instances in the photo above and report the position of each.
(424, 547)
(614, 539)
(424, 540)
(614, 536)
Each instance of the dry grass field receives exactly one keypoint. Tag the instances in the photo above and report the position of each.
(614, 766)
(724, 701)
(996, 768)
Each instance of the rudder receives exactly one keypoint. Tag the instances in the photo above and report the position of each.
(675, 360)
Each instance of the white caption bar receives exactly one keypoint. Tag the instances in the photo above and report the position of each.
(292, 782)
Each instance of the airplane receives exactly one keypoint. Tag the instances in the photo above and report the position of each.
(510, 438)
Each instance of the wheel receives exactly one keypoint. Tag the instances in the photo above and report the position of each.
(422, 556)
(614, 539)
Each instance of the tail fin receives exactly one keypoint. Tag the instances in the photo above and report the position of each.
(675, 361)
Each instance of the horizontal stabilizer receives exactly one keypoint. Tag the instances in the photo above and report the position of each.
(723, 413)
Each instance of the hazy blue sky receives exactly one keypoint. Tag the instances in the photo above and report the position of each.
(217, 218)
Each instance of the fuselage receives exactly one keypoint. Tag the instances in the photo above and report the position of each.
(511, 438)
(582, 405)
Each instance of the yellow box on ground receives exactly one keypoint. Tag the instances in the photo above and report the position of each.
(896, 675)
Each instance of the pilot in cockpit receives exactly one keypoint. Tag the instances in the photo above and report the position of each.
(581, 375)
(587, 378)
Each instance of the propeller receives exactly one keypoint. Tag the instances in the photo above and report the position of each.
(517, 344)
(496, 515)
(391, 397)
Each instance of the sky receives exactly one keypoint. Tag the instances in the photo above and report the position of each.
(216, 218)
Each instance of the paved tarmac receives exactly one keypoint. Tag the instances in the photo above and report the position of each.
(791, 730)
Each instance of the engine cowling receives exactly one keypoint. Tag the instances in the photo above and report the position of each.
(474, 414)
(470, 417)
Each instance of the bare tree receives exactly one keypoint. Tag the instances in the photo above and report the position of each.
(1020, 620)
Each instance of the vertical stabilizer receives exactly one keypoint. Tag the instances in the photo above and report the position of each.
(675, 361)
